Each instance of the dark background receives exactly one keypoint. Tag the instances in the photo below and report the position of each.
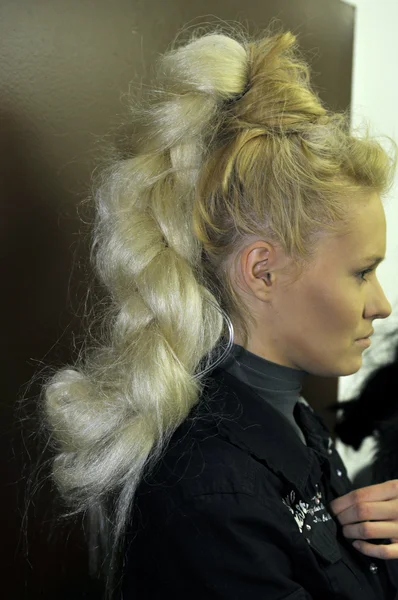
(66, 66)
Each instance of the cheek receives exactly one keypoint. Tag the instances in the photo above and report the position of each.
(337, 309)
(331, 311)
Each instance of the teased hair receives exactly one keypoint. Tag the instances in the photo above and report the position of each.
(231, 142)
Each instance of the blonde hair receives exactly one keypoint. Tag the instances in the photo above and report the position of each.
(232, 142)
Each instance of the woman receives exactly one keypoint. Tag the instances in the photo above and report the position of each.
(248, 214)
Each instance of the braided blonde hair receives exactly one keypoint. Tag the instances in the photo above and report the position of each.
(231, 143)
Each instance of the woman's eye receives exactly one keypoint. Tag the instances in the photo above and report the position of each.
(362, 274)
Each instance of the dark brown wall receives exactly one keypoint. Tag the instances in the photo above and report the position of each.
(65, 65)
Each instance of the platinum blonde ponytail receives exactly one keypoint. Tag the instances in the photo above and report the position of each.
(112, 414)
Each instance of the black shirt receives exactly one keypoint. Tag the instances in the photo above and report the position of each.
(237, 509)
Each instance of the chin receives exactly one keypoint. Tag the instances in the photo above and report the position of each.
(350, 369)
(339, 370)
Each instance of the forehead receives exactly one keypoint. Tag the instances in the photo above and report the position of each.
(365, 235)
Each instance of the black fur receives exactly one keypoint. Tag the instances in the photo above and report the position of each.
(374, 412)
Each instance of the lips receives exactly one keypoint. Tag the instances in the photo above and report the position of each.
(367, 336)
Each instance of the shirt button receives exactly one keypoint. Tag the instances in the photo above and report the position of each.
(330, 451)
(373, 568)
(309, 541)
(339, 473)
(308, 527)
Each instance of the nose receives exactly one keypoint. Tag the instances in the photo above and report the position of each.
(383, 308)
(388, 309)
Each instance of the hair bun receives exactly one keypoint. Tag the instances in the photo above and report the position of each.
(214, 63)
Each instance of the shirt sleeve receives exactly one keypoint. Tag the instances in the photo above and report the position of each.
(226, 546)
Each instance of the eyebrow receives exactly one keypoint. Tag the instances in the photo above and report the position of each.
(374, 260)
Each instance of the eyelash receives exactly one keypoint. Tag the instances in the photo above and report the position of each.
(362, 273)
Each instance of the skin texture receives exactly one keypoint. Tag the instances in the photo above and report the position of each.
(370, 513)
(313, 321)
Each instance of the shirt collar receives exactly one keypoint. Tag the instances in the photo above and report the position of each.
(256, 426)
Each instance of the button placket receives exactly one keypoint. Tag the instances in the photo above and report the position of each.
(373, 568)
